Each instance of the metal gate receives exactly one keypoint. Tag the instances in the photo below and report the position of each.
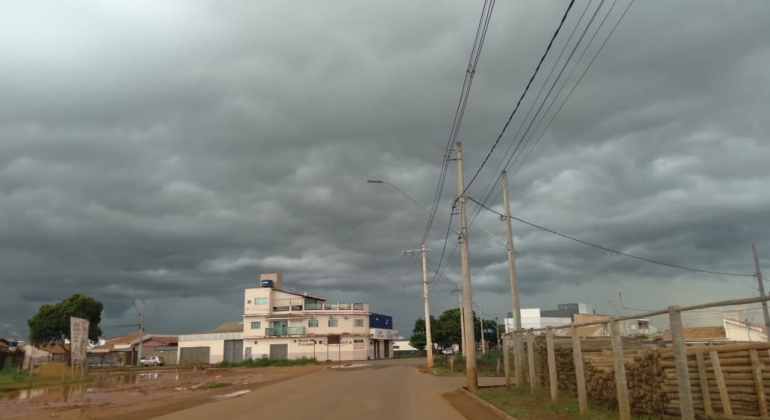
(233, 351)
(279, 351)
(194, 355)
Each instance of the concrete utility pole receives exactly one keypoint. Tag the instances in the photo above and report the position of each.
(481, 322)
(459, 291)
(141, 334)
(470, 341)
(428, 338)
(519, 343)
(761, 292)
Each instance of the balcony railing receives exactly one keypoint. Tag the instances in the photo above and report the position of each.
(337, 307)
(284, 331)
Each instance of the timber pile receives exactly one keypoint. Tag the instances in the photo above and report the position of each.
(651, 377)
(737, 372)
(641, 373)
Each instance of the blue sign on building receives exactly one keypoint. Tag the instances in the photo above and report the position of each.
(384, 322)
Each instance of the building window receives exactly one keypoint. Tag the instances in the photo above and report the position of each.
(260, 301)
(281, 308)
(332, 322)
(313, 323)
(358, 341)
(256, 325)
(359, 322)
(248, 302)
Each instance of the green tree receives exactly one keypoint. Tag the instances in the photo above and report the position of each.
(51, 324)
(418, 341)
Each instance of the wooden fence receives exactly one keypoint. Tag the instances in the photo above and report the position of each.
(635, 376)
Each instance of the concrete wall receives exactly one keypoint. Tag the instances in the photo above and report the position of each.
(215, 342)
(352, 348)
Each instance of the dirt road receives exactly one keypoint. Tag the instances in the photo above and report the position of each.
(391, 389)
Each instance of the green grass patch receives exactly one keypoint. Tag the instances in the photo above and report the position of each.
(521, 404)
(11, 380)
(215, 385)
(266, 362)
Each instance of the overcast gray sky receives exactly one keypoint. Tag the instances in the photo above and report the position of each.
(174, 150)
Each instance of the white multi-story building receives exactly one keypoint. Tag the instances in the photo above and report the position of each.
(281, 324)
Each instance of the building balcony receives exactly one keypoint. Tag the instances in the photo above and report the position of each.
(283, 332)
(346, 306)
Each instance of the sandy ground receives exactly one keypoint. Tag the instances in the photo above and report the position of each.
(387, 389)
(141, 396)
(381, 390)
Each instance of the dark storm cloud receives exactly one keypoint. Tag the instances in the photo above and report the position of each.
(176, 150)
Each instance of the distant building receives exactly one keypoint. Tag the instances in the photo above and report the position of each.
(403, 347)
(124, 350)
(537, 318)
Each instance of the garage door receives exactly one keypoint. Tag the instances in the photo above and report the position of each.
(194, 355)
(279, 351)
(233, 350)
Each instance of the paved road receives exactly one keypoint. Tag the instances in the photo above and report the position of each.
(392, 389)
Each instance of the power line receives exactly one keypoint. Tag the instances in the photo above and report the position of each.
(612, 250)
(524, 140)
(515, 157)
(542, 133)
(521, 98)
(478, 43)
(446, 240)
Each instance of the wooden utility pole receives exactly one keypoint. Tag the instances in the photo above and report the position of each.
(470, 341)
(765, 312)
(428, 337)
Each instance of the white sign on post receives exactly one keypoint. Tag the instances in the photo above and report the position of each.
(78, 340)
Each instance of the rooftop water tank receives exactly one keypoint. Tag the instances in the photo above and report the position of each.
(267, 283)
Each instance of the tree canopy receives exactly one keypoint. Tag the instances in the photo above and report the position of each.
(51, 324)
(446, 330)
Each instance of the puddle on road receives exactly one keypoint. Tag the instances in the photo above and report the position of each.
(92, 391)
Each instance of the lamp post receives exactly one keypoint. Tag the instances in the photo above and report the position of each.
(423, 252)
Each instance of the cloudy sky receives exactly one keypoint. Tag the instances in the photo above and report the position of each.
(174, 150)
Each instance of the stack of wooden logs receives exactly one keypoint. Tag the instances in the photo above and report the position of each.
(651, 377)
(737, 385)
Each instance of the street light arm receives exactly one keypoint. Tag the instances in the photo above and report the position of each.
(377, 181)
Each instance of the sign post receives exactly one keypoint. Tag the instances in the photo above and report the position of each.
(78, 345)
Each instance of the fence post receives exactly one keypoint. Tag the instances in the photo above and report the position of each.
(624, 406)
(756, 368)
(682, 369)
(531, 357)
(723, 396)
(708, 409)
(580, 377)
(517, 356)
(507, 362)
(552, 364)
